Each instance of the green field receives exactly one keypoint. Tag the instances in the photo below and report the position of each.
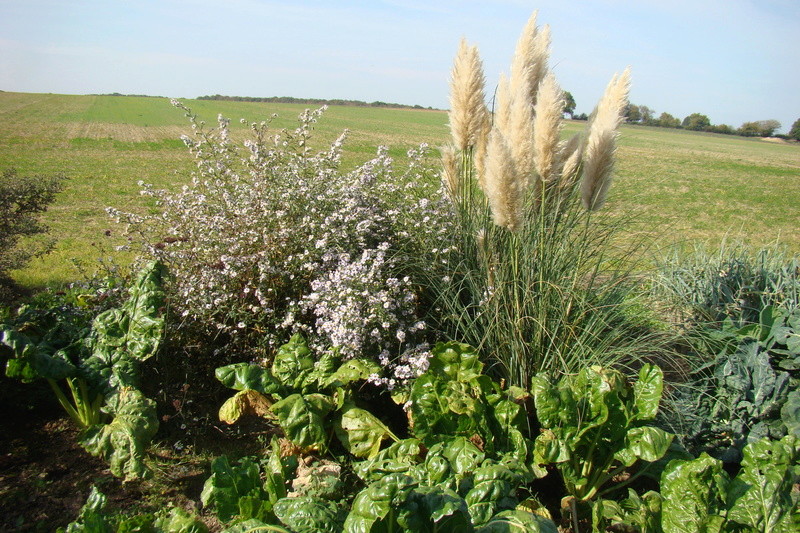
(684, 186)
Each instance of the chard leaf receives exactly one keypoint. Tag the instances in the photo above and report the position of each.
(456, 361)
(136, 327)
(647, 392)
(693, 495)
(361, 432)
(554, 407)
(302, 419)
(254, 526)
(397, 458)
(92, 518)
(228, 484)
(293, 363)
(307, 515)
(760, 496)
(352, 370)
(246, 376)
(464, 457)
(32, 361)
(180, 521)
(518, 521)
(647, 443)
(123, 441)
(376, 504)
(493, 490)
(245, 402)
(433, 509)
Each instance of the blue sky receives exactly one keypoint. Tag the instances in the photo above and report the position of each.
(733, 60)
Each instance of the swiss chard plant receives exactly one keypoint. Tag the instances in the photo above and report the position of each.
(94, 518)
(309, 399)
(596, 425)
(454, 398)
(700, 496)
(100, 368)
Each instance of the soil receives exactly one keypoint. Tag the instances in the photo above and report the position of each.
(46, 476)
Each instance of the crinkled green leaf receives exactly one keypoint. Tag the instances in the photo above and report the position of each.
(517, 521)
(293, 363)
(254, 526)
(228, 484)
(693, 495)
(302, 419)
(647, 443)
(137, 326)
(308, 515)
(352, 370)
(463, 456)
(456, 361)
(361, 432)
(247, 376)
(377, 503)
(31, 361)
(647, 391)
(123, 441)
(494, 488)
(92, 518)
(761, 495)
(433, 509)
(180, 521)
(399, 457)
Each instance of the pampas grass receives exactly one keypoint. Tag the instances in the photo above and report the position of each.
(468, 112)
(525, 277)
(602, 143)
(547, 124)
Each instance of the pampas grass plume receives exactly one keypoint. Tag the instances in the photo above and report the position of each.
(503, 189)
(450, 174)
(601, 144)
(467, 107)
(548, 121)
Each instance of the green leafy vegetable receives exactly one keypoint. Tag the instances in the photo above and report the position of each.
(595, 425)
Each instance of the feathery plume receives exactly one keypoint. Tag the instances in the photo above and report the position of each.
(520, 133)
(450, 174)
(569, 155)
(548, 121)
(467, 106)
(530, 58)
(601, 143)
(502, 184)
(502, 104)
(481, 147)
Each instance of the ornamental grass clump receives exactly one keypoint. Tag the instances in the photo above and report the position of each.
(532, 276)
(271, 238)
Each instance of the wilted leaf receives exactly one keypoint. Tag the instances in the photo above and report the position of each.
(246, 402)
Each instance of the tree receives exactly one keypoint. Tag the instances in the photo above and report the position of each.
(696, 122)
(668, 121)
(569, 104)
(22, 200)
(632, 114)
(794, 133)
(647, 115)
(760, 128)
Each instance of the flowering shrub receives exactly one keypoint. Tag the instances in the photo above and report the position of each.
(270, 238)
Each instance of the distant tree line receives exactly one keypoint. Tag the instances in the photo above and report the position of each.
(308, 101)
(641, 114)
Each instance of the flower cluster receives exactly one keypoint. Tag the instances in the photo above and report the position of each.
(271, 238)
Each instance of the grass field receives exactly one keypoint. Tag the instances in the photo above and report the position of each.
(682, 185)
